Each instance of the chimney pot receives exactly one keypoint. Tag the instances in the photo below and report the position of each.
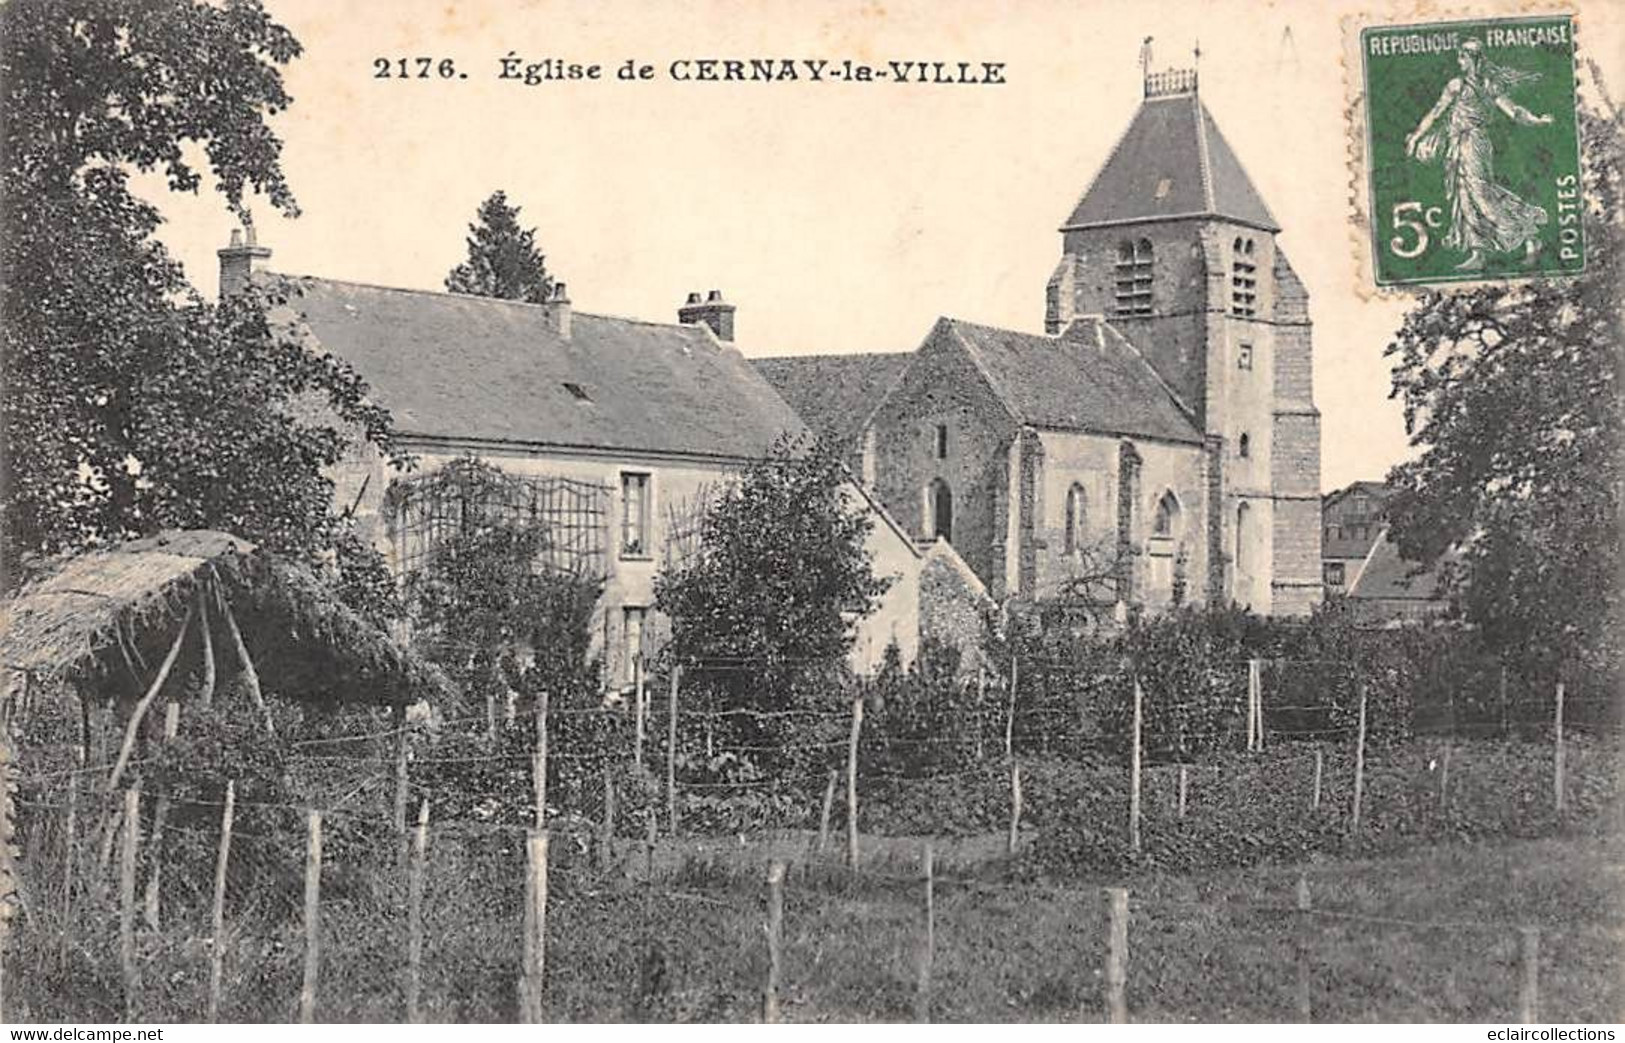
(236, 237)
(714, 295)
(560, 293)
(693, 298)
(713, 311)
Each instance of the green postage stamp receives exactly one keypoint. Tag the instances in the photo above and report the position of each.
(1472, 150)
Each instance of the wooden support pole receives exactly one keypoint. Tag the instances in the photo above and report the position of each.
(155, 839)
(401, 785)
(1529, 979)
(922, 999)
(217, 911)
(852, 785)
(206, 690)
(251, 676)
(414, 915)
(671, 749)
(1557, 752)
(126, 894)
(1252, 716)
(1303, 953)
(639, 712)
(1014, 839)
(132, 730)
(775, 933)
(538, 761)
(1320, 764)
(824, 812)
(533, 974)
(1134, 772)
(313, 919)
(1359, 763)
(1184, 787)
(1117, 955)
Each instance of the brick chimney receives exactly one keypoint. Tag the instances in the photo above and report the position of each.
(558, 306)
(237, 261)
(713, 311)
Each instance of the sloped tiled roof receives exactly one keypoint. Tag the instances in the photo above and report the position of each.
(1090, 378)
(1171, 162)
(454, 366)
(1387, 576)
(834, 394)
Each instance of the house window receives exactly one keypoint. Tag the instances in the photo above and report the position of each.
(634, 515)
(939, 510)
(1077, 515)
(1244, 447)
(1334, 574)
(1244, 356)
(632, 620)
(942, 441)
(1243, 279)
(1133, 278)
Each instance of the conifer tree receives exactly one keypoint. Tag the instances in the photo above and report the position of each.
(502, 257)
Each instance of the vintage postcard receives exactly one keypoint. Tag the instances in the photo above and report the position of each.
(855, 512)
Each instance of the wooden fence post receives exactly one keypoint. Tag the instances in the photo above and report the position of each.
(1444, 777)
(70, 851)
(606, 834)
(1303, 954)
(824, 812)
(313, 919)
(922, 1001)
(1529, 982)
(217, 912)
(1117, 955)
(538, 762)
(1010, 717)
(399, 807)
(414, 914)
(1014, 839)
(1557, 759)
(852, 785)
(671, 751)
(981, 703)
(775, 932)
(1255, 686)
(649, 850)
(1134, 774)
(160, 816)
(1252, 715)
(126, 894)
(1320, 763)
(536, 965)
(1359, 762)
(639, 711)
(1184, 785)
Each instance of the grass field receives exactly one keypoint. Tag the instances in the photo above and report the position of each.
(1203, 946)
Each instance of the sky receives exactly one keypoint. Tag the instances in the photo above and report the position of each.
(837, 216)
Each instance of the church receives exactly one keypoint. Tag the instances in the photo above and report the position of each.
(1158, 443)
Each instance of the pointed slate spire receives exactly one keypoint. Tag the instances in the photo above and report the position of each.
(1172, 161)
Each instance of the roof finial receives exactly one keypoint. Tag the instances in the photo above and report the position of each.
(1145, 56)
(1196, 53)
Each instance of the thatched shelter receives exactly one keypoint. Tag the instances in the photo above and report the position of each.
(104, 616)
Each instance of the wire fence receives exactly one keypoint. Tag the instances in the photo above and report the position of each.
(395, 875)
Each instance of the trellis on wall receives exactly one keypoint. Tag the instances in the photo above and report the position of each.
(685, 520)
(424, 510)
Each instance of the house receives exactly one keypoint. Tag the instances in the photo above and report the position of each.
(1390, 590)
(622, 431)
(1351, 524)
(1159, 438)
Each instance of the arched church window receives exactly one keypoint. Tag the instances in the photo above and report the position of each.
(939, 510)
(1243, 279)
(1166, 521)
(1244, 446)
(1243, 536)
(1135, 262)
(1076, 518)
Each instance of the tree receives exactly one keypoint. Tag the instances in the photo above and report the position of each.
(1511, 391)
(782, 575)
(130, 403)
(502, 257)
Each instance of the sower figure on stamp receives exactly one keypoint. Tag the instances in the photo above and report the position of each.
(1483, 214)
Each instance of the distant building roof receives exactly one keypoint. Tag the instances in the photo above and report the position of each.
(1339, 542)
(461, 367)
(1386, 576)
(1172, 161)
(834, 394)
(1089, 378)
